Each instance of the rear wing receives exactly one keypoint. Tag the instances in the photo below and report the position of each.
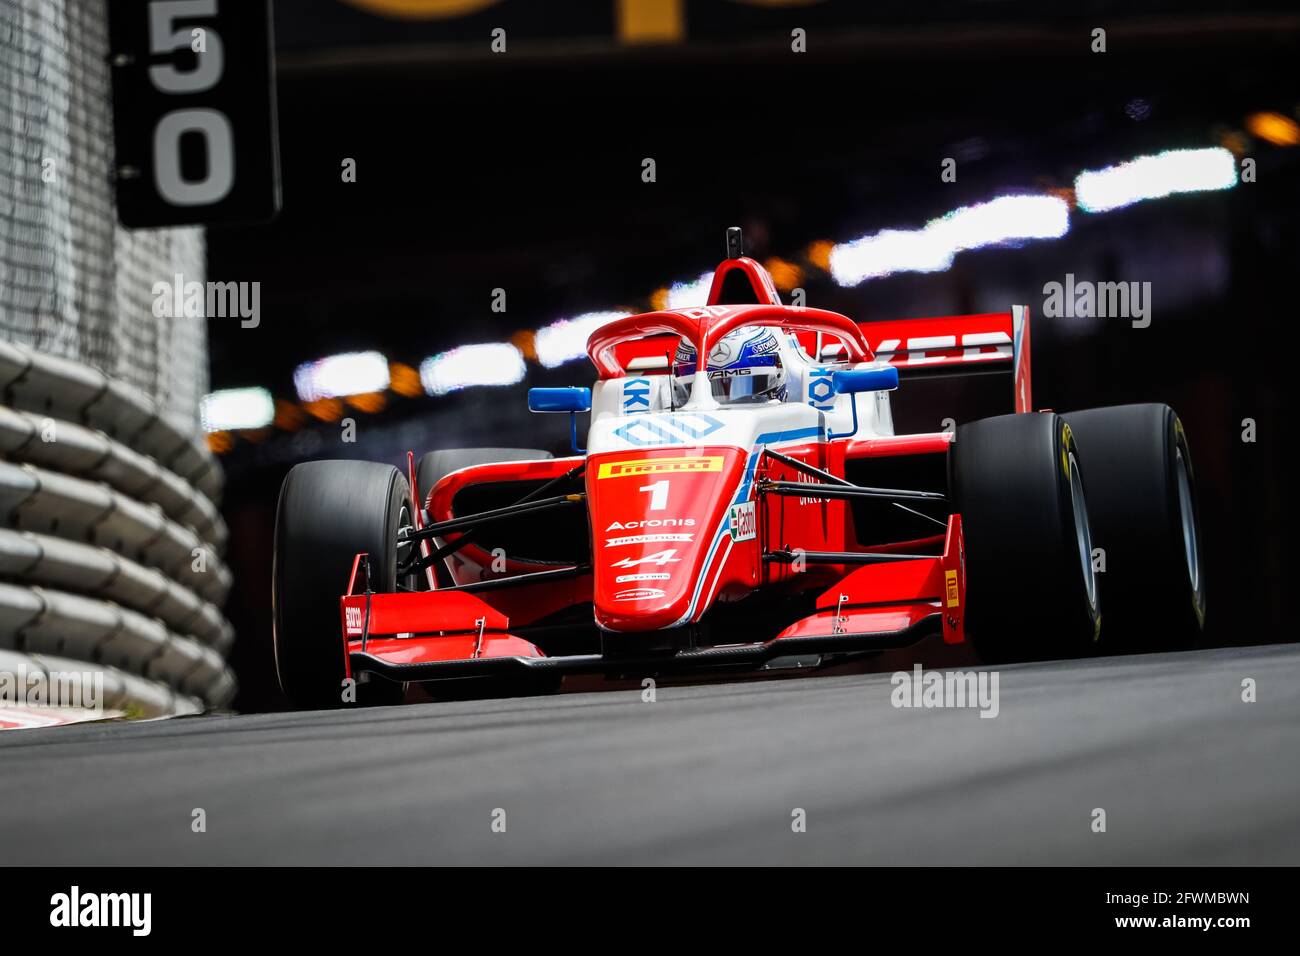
(958, 367)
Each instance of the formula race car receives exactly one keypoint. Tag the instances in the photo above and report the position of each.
(746, 501)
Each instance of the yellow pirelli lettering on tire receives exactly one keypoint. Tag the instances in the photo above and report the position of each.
(950, 579)
(637, 467)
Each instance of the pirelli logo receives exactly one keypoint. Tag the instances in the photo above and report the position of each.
(658, 466)
(950, 579)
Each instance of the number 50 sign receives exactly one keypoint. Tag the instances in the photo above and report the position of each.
(193, 111)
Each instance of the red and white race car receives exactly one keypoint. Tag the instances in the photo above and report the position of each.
(758, 508)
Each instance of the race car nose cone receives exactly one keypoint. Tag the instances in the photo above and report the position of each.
(656, 519)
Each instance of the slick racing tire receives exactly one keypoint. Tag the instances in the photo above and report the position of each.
(1142, 501)
(1031, 590)
(437, 465)
(433, 467)
(330, 511)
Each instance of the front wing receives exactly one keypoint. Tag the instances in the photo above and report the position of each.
(453, 633)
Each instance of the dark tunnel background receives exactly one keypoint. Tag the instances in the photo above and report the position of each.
(523, 172)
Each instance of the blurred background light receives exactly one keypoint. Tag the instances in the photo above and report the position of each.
(887, 252)
(237, 408)
(785, 275)
(219, 443)
(289, 416)
(1138, 110)
(931, 248)
(351, 373)
(685, 295)
(819, 254)
(368, 402)
(404, 380)
(491, 363)
(566, 340)
(525, 340)
(1154, 177)
(326, 409)
(1002, 220)
(1275, 128)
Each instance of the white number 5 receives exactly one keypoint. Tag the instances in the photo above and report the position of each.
(210, 124)
(163, 39)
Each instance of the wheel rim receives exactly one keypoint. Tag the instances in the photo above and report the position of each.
(1082, 533)
(1187, 517)
(403, 547)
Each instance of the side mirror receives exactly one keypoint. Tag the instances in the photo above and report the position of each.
(851, 381)
(568, 399)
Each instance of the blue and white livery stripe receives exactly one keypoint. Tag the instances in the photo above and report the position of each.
(742, 494)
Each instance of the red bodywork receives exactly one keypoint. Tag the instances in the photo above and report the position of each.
(657, 577)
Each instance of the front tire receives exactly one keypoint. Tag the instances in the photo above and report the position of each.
(1142, 499)
(330, 511)
(1031, 590)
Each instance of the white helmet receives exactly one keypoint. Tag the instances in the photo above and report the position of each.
(744, 367)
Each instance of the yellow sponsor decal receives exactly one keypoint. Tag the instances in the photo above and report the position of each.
(658, 466)
(950, 578)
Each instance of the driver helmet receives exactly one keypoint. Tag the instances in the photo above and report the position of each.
(744, 367)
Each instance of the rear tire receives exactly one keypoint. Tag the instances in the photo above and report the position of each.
(437, 465)
(1142, 500)
(1031, 591)
(433, 467)
(330, 511)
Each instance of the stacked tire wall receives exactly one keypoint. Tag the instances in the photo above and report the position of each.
(110, 539)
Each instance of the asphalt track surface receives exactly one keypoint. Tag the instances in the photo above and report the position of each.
(1186, 771)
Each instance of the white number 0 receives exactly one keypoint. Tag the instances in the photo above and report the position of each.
(212, 125)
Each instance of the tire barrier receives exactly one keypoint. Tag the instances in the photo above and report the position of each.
(44, 561)
(33, 499)
(58, 387)
(110, 537)
(96, 457)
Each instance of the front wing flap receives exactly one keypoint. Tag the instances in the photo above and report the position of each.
(432, 635)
